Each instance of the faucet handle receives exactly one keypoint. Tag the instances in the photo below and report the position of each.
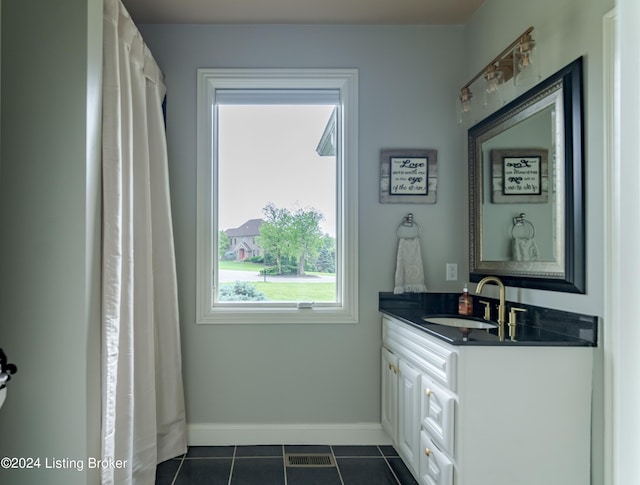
(513, 321)
(487, 309)
(512, 314)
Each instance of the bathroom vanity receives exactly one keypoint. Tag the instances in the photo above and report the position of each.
(481, 411)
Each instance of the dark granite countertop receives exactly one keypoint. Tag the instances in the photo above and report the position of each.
(537, 326)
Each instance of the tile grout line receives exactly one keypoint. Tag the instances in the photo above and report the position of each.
(389, 466)
(284, 464)
(233, 462)
(335, 460)
(175, 477)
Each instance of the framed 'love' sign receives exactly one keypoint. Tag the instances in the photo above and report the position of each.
(408, 176)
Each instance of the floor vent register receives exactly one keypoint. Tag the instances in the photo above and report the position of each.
(306, 460)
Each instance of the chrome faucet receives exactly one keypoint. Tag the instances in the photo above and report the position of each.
(501, 306)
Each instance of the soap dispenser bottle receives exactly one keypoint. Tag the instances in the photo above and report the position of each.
(465, 303)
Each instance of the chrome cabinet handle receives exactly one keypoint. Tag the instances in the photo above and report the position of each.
(427, 451)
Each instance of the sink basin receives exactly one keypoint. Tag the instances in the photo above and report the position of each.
(464, 324)
(461, 322)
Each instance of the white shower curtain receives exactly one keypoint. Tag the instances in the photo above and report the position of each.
(143, 414)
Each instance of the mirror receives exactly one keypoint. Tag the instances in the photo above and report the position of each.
(526, 188)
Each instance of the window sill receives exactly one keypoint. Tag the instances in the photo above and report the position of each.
(279, 315)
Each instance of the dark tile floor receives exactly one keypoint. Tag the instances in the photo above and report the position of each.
(265, 465)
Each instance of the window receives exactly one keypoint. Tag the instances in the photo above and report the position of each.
(277, 196)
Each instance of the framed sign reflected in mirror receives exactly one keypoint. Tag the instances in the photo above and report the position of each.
(520, 175)
(527, 158)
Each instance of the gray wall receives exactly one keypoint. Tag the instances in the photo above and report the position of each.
(317, 373)
(50, 244)
(564, 31)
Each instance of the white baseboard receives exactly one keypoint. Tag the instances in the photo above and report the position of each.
(215, 434)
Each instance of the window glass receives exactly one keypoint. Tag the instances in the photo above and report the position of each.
(277, 194)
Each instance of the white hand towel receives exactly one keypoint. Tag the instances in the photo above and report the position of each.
(524, 249)
(409, 270)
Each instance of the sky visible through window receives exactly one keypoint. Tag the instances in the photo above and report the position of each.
(267, 154)
(267, 157)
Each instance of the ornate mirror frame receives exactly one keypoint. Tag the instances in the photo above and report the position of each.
(563, 92)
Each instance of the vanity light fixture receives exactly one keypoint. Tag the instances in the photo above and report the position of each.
(525, 61)
(517, 61)
(493, 77)
(463, 105)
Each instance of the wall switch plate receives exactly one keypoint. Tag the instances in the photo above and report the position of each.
(452, 272)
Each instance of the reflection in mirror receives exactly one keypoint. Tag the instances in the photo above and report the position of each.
(516, 164)
(525, 174)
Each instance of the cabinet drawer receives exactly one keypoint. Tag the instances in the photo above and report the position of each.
(435, 467)
(438, 413)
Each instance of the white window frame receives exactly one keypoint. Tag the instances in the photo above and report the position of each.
(346, 309)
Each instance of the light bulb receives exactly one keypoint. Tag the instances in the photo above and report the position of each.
(527, 68)
(463, 106)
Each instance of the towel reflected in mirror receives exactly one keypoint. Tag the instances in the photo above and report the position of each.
(524, 249)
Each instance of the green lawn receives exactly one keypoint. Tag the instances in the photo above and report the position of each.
(298, 292)
(276, 291)
(284, 290)
(240, 266)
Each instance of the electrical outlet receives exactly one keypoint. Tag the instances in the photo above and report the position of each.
(452, 272)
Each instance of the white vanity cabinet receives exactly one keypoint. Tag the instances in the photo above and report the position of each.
(436, 468)
(408, 442)
(401, 387)
(487, 415)
(389, 390)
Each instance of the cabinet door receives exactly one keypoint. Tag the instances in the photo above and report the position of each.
(437, 412)
(389, 403)
(435, 467)
(409, 415)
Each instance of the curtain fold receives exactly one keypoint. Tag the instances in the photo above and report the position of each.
(143, 415)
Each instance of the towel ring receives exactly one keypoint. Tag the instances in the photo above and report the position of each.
(408, 222)
(522, 221)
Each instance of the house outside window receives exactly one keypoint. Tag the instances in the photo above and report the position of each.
(293, 257)
(247, 247)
